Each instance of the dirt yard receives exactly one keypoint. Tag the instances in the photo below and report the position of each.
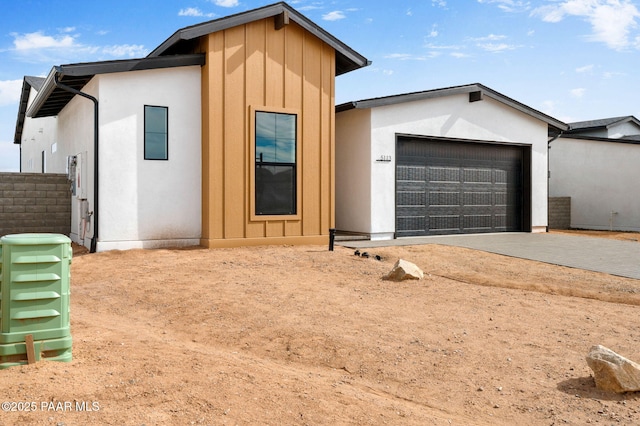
(301, 335)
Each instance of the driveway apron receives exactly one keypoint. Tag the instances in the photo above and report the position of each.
(610, 256)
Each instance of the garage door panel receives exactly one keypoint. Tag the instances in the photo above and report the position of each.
(412, 225)
(443, 224)
(452, 187)
(444, 175)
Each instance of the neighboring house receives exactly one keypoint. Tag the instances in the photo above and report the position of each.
(596, 164)
(222, 136)
(37, 138)
(458, 160)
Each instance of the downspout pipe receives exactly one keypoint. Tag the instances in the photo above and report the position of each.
(549, 171)
(94, 239)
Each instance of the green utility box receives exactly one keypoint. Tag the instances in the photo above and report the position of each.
(34, 297)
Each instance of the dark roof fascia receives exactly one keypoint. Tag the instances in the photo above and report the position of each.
(27, 83)
(599, 139)
(80, 74)
(35, 82)
(449, 91)
(350, 58)
(125, 65)
(604, 123)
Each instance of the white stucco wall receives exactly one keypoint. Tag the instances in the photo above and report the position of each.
(601, 178)
(353, 171)
(143, 203)
(75, 137)
(149, 203)
(455, 117)
(38, 135)
(624, 129)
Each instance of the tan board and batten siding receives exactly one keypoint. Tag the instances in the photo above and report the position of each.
(256, 66)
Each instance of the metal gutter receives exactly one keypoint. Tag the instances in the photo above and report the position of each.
(94, 239)
(47, 89)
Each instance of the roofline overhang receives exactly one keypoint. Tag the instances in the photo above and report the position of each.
(608, 125)
(199, 30)
(91, 69)
(22, 110)
(599, 139)
(47, 89)
(450, 91)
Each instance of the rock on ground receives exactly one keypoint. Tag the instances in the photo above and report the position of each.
(613, 372)
(404, 270)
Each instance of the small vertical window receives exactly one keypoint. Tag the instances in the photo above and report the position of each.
(275, 163)
(156, 133)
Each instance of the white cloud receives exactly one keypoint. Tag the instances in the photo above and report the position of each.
(509, 5)
(194, 11)
(611, 74)
(493, 43)
(387, 72)
(434, 31)
(611, 20)
(459, 55)
(38, 47)
(411, 57)
(496, 47)
(586, 68)
(226, 3)
(439, 3)
(10, 91)
(336, 15)
(490, 37)
(126, 50)
(578, 93)
(38, 40)
(399, 56)
(442, 47)
(309, 7)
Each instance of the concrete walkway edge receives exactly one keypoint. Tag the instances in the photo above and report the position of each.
(614, 257)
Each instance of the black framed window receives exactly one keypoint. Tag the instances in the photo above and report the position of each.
(275, 163)
(156, 133)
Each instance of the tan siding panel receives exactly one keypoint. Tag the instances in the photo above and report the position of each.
(293, 91)
(275, 229)
(327, 122)
(256, 66)
(206, 154)
(274, 66)
(234, 133)
(255, 94)
(215, 136)
(313, 57)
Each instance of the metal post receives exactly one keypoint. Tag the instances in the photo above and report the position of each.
(332, 237)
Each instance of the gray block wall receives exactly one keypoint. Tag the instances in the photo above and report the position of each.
(559, 212)
(34, 202)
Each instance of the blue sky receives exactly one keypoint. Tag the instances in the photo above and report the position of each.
(572, 59)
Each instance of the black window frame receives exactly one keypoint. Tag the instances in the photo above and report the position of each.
(261, 209)
(166, 142)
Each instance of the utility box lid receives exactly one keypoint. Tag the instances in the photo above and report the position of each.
(34, 239)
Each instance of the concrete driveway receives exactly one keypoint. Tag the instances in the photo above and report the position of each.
(610, 256)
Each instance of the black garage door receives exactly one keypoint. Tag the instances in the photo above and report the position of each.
(457, 187)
